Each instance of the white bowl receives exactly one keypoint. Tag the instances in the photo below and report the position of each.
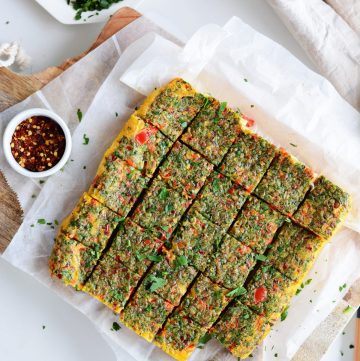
(10, 129)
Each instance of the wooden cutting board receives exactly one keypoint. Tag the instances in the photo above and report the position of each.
(15, 88)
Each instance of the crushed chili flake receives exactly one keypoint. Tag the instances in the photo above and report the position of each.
(38, 143)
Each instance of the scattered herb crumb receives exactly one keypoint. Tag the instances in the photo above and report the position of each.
(43, 327)
(276, 355)
(79, 115)
(84, 167)
(237, 292)
(115, 327)
(116, 114)
(86, 140)
(41, 221)
(261, 257)
(41, 181)
(245, 80)
(347, 309)
(56, 222)
(33, 196)
(341, 353)
(32, 225)
(252, 106)
(343, 332)
(351, 346)
(136, 108)
(204, 339)
(342, 287)
(293, 145)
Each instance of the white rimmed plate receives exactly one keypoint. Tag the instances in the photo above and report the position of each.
(65, 13)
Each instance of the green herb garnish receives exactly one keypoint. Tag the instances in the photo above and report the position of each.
(115, 327)
(260, 257)
(181, 261)
(163, 194)
(154, 257)
(86, 140)
(79, 115)
(284, 314)
(41, 221)
(237, 292)
(156, 283)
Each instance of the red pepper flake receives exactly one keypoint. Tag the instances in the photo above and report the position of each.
(249, 122)
(260, 294)
(38, 143)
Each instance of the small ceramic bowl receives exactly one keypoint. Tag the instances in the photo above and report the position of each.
(10, 129)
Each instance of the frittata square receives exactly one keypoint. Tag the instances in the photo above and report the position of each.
(71, 261)
(135, 246)
(161, 208)
(197, 239)
(294, 251)
(172, 107)
(140, 145)
(185, 170)
(256, 224)
(204, 301)
(111, 283)
(179, 336)
(220, 200)
(170, 278)
(146, 313)
(231, 265)
(324, 208)
(269, 293)
(240, 330)
(248, 159)
(213, 130)
(117, 185)
(285, 183)
(90, 223)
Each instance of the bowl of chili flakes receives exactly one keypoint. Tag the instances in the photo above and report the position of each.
(37, 143)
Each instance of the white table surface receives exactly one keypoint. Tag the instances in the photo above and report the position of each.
(25, 305)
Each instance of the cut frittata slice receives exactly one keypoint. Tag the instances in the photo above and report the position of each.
(111, 283)
(170, 278)
(256, 224)
(135, 247)
(179, 336)
(140, 145)
(146, 313)
(285, 183)
(220, 200)
(324, 208)
(231, 265)
(240, 330)
(161, 208)
(294, 251)
(248, 159)
(71, 261)
(269, 292)
(204, 301)
(172, 107)
(90, 223)
(197, 239)
(213, 130)
(185, 170)
(117, 185)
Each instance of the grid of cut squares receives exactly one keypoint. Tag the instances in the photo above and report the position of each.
(186, 289)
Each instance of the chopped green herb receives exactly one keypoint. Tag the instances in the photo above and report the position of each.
(308, 281)
(163, 194)
(116, 114)
(276, 355)
(41, 221)
(293, 145)
(154, 257)
(41, 181)
(245, 80)
(341, 353)
(156, 283)
(79, 114)
(7, 22)
(32, 225)
(284, 314)
(204, 339)
(252, 105)
(342, 287)
(33, 196)
(86, 140)
(84, 167)
(43, 327)
(351, 346)
(184, 125)
(237, 292)
(261, 257)
(115, 327)
(221, 108)
(181, 261)
(347, 309)
(140, 256)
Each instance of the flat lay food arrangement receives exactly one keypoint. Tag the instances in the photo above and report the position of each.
(195, 226)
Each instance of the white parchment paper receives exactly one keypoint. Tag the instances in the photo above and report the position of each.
(291, 104)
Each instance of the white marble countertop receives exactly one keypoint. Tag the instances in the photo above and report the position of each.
(36, 325)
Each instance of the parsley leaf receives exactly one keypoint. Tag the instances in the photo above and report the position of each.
(86, 140)
(79, 115)
(163, 194)
(140, 256)
(260, 257)
(347, 309)
(237, 292)
(342, 287)
(181, 261)
(41, 221)
(156, 283)
(205, 339)
(154, 257)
